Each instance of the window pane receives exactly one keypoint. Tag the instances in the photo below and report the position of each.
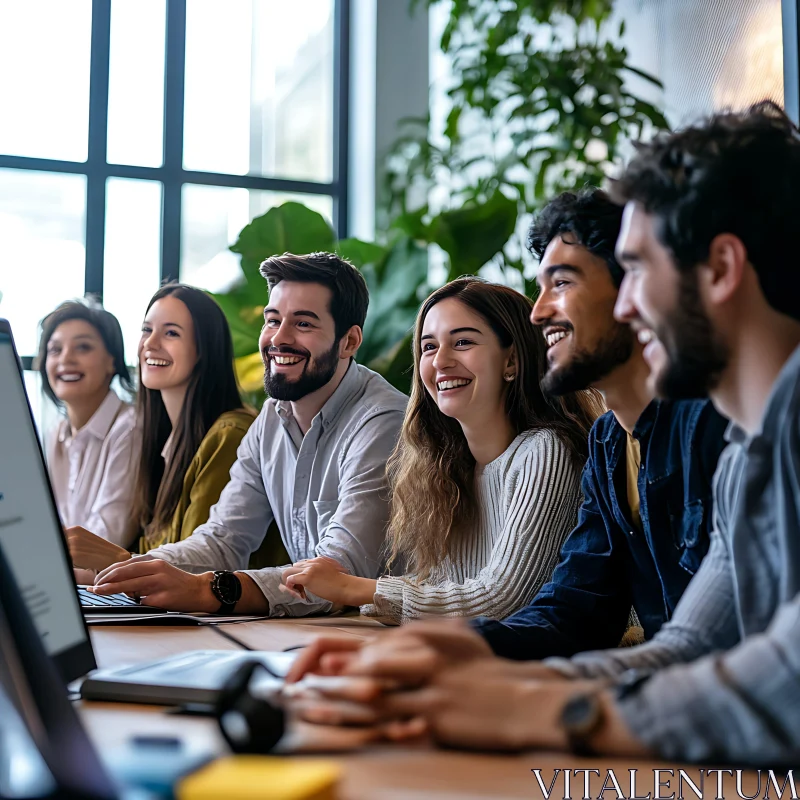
(212, 219)
(263, 105)
(45, 413)
(44, 90)
(136, 83)
(706, 57)
(132, 262)
(42, 233)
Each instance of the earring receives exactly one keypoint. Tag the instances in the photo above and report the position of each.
(509, 377)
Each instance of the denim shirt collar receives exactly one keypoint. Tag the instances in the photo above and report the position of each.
(644, 424)
(641, 430)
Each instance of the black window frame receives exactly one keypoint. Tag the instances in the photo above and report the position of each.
(171, 173)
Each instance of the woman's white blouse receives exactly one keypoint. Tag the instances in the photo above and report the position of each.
(93, 471)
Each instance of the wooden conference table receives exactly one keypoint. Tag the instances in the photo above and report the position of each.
(374, 771)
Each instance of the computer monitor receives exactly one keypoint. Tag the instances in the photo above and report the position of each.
(45, 750)
(30, 529)
(36, 690)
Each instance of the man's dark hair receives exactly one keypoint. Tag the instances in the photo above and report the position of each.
(589, 217)
(734, 173)
(350, 294)
(106, 325)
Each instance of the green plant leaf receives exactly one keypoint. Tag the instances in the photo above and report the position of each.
(451, 129)
(393, 301)
(397, 364)
(411, 223)
(245, 315)
(646, 75)
(289, 228)
(472, 235)
(359, 253)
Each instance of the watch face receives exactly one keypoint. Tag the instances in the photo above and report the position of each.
(580, 714)
(228, 588)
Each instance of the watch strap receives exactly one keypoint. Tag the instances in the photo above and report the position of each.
(225, 608)
(581, 718)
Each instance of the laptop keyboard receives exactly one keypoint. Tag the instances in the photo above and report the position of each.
(89, 599)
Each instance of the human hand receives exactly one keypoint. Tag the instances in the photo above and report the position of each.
(90, 551)
(84, 577)
(487, 704)
(407, 658)
(154, 582)
(482, 706)
(407, 655)
(326, 655)
(326, 578)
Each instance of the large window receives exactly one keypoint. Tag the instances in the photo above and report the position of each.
(138, 138)
(709, 56)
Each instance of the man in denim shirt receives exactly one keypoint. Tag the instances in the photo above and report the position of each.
(643, 527)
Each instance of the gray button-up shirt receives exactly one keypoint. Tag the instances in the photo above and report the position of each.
(326, 490)
(738, 623)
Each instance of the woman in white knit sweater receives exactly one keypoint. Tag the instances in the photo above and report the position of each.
(486, 476)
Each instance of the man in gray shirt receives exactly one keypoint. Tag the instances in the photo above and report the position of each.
(709, 231)
(314, 461)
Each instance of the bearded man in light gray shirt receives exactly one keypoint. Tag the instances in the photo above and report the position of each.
(314, 461)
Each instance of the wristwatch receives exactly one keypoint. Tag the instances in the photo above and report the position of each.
(581, 717)
(227, 588)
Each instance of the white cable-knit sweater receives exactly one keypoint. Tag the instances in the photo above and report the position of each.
(528, 501)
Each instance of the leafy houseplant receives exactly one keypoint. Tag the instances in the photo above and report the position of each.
(395, 276)
(538, 105)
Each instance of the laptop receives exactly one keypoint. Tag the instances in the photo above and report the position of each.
(29, 521)
(45, 751)
(36, 549)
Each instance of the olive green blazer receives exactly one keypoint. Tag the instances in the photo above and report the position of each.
(207, 476)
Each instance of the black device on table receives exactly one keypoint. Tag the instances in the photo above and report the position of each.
(45, 751)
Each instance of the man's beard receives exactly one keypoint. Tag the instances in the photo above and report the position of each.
(695, 356)
(312, 378)
(586, 368)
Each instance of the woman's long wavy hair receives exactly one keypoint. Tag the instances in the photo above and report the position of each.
(431, 472)
(211, 392)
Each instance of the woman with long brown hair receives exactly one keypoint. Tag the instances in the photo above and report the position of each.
(192, 422)
(485, 479)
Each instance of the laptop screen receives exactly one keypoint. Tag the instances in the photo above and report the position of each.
(30, 530)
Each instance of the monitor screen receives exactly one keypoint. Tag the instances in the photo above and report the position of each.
(30, 529)
(39, 698)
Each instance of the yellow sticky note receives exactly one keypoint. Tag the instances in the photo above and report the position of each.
(262, 777)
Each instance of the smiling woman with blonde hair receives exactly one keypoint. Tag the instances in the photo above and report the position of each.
(485, 479)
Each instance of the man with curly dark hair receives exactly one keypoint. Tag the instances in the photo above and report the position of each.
(643, 527)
